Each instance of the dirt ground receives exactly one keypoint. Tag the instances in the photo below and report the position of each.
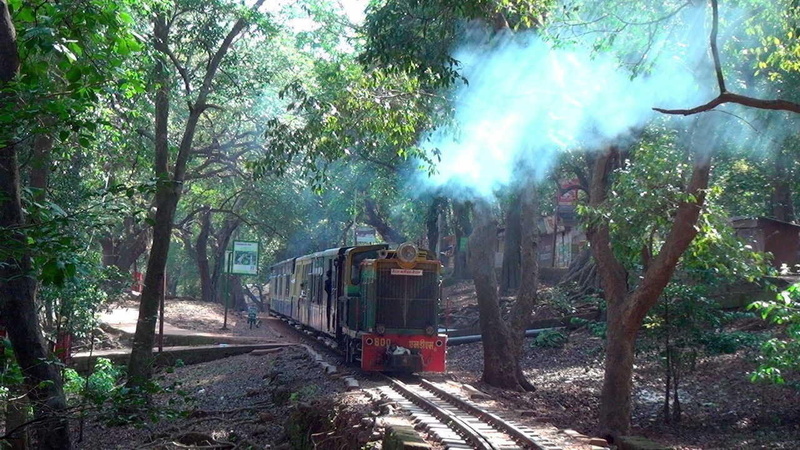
(244, 401)
(721, 408)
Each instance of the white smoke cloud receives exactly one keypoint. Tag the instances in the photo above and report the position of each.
(526, 100)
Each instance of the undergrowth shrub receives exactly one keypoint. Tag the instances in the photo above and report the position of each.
(118, 404)
(780, 355)
(723, 342)
(549, 339)
(595, 327)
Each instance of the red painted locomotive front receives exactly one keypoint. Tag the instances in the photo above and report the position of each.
(403, 353)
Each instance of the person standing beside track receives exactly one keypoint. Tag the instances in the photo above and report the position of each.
(252, 318)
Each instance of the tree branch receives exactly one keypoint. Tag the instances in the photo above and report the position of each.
(725, 96)
(654, 21)
(164, 48)
(682, 231)
(714, 50)
(200, 105)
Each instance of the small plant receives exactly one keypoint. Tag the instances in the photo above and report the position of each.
(780, 355)
(549, 339)
(99, 386)
(305, 392)
(717, 343)
(118, 404)
(10, 372)
(597, 328)
(560, 300)
(679, 324)
(73, 382)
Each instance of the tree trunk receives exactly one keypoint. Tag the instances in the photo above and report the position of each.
(463, 231)
(676, 400)
(201, 253)
(16, 417)
(346, 233)
(432, 225)
(381, 225)
(238, 302)
(140, 365)
(615, 399)
(223, 238)
(499, 359)
(173, 280)
(781, 195)
(257, 299)
(122, 252)
(581, 278)
(40, 165)
(17, 282)
(512, 264)
(529, 277)
(668, 362)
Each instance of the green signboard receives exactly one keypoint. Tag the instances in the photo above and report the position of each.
(245, 258)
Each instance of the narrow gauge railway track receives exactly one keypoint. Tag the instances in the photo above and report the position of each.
(459, 423)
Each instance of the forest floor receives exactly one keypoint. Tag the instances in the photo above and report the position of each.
(721, 408)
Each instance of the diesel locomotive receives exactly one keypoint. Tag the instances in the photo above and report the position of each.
(380, 305)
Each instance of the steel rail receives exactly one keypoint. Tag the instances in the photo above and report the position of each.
(461, 426)
(492, 419)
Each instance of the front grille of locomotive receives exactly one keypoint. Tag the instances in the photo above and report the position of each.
(406, 301)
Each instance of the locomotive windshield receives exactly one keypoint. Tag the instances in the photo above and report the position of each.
(355, 268)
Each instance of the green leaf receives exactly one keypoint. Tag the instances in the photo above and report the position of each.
(74, 74)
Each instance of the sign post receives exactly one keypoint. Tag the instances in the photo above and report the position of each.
(242, 260)
(226, 275)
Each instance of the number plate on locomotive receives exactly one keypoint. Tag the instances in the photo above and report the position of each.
(407, 272)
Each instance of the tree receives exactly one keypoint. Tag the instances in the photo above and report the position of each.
(124, 248)
(503, 339)
(415, 40)
(377, 220)
(628, 305)
(463, 230)
(211, 239)
(170, 183)
(433, 224)
(17, 282)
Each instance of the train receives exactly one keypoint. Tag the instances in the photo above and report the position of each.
(380, 305)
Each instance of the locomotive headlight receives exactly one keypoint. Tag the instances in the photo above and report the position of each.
(429, 330)
(380, 329)
(407, 252)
